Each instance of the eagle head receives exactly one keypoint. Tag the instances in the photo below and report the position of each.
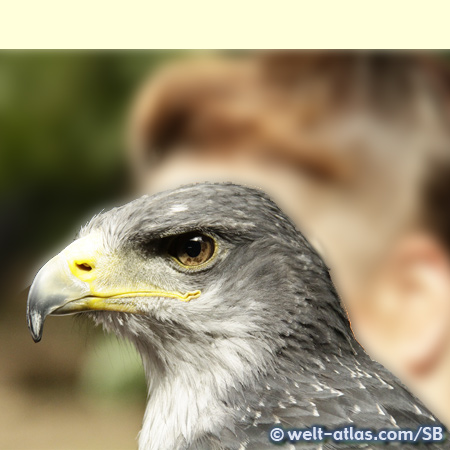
(214, 286)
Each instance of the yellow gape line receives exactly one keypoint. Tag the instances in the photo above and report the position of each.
(187, 297)
(123, 302)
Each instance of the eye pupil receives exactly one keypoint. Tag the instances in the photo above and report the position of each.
(192, 249)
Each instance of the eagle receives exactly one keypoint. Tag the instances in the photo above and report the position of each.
(235, 317)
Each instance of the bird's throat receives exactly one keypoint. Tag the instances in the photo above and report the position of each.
(181, 408)
(189, 389)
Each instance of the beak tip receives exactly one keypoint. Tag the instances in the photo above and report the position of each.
(35, 325)
(52, 288)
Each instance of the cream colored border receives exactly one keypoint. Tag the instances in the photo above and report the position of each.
(224, 24)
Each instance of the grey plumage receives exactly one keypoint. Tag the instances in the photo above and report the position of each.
(266, 342)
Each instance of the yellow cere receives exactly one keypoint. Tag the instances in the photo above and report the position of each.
(82, 255)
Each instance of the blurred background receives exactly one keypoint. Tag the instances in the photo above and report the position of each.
(352, 145)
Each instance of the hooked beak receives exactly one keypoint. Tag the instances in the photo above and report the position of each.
(53, 288)
(67, 284)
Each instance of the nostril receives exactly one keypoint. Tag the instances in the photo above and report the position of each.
(84, 267)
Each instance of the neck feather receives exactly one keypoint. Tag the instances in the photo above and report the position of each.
(189, 389)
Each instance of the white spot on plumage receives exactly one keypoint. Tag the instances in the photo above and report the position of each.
(321, 364)
(336, 392)
(338, 360)
(276, 419)
(418, 410)
(178, 208)
(380, 410)
(393, 421)
(315, 411)
(383, 382)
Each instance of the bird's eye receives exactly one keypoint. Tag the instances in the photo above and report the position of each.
(192, 249)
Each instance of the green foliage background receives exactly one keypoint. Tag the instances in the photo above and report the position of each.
(62, 146)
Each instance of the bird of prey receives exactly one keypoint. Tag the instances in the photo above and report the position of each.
(234, 315)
